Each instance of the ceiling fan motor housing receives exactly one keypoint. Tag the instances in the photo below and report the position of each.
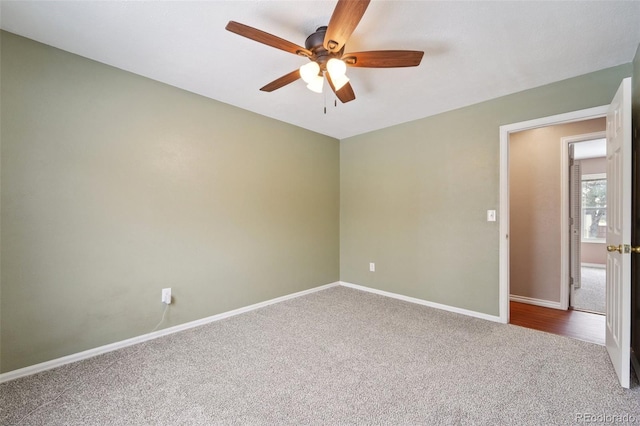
(314, 43)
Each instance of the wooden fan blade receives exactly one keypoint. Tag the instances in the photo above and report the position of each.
(266, 38)
(282, 81)
(383, 58)
(344, 20)
(345, 94)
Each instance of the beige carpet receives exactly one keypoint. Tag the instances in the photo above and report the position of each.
(591, 294)
(339, 356)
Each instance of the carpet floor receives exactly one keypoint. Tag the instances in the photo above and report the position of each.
(591, 294)
(337, 356)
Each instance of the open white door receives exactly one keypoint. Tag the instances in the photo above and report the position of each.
(618, 292)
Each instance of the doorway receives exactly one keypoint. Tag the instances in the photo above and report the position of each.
(504, 223)
(587, 167)
(619, 225)
(538, 232)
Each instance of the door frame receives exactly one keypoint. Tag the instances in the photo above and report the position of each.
(565, 263)
(505, 130)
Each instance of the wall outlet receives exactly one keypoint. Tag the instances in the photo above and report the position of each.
(166, 296)
(372, 267)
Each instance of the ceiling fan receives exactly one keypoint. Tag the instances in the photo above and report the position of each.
(325, 49)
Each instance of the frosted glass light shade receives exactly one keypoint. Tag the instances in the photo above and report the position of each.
(309, 71)
(339, 80)
(315, 85)
(336, 67)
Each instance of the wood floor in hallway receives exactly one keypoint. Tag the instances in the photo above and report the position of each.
(576, 324)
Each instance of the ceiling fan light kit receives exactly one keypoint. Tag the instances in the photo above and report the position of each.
(325, 49)
(339, 81)
(315, 85)
(336, 67)
(309, 71)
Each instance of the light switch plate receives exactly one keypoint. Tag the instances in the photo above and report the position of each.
(166, 296)
(491, 215)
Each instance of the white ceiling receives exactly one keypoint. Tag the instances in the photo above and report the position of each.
(474, 51)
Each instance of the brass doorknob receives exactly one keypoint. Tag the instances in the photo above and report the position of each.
(624, 249)
(615, 248)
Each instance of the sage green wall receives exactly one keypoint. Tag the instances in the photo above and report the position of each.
(413, 197)
(115, 186)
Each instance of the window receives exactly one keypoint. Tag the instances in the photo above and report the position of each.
(594, 207)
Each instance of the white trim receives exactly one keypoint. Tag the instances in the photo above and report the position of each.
(593, 265)
(565, 225)
(423, 302)
(595, 176)
(54, 363)
(503, 233)
(569, 117)
(537, 302)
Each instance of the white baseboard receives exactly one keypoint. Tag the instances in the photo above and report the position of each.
(537, 302)
(593, 265)
(48, 365)
(467, 312)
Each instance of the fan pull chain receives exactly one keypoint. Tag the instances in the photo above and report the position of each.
(324, 95)
(335, 101)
